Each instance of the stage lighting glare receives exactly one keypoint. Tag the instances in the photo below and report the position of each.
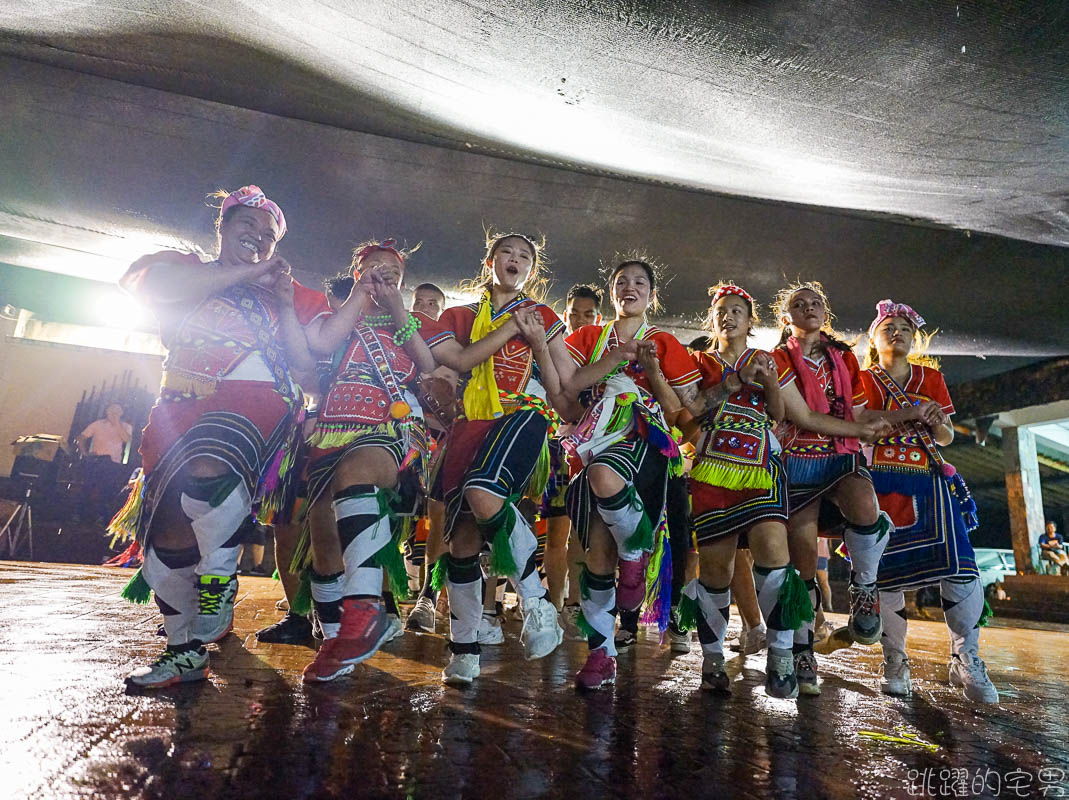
(117, 310)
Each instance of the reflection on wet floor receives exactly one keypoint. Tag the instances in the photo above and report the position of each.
(68, 728)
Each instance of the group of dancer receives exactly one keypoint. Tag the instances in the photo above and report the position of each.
(611, 428)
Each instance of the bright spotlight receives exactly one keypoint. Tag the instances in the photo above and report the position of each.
(117, 310)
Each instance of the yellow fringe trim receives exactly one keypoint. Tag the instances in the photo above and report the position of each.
(123, 526)
(199, 386)
(732, 476)
(325, 438)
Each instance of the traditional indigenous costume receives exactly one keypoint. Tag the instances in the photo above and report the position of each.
(227, 395)
(815, 464)
(929, 506)
(370, 403)
(738, 481)
(624, 430)
(497, 444)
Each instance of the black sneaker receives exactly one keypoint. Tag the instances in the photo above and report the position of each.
(625, 640)
(714, 676)
(291, 629)
(805, 671)
(865, 624)
(780, 680)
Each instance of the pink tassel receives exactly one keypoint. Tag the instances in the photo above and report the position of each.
(271, 477)
(949, 470)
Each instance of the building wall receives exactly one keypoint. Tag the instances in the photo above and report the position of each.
(43, 381)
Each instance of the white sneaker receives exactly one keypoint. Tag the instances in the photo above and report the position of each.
(421, 617)
(394, 628)
(490, 630)
(569, 616)
(678, 640)
(541, 632)
(461, 670)
(896, 680)
(753, 640)
(970, 673)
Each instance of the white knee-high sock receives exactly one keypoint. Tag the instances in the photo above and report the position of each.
(464, 581)
(622, 518)
(597, 602)
(171, 574)
(713, 611)
(866, 545)
(804, 633)
(522, 544)
(769, 581)
(216, 527)
(327, 593)
(963, 604)
(893, 616)
(363, 532)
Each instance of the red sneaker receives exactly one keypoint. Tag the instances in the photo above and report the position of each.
(631, 586)
(599, 670)
(364, 627)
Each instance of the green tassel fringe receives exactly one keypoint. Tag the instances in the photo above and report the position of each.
(584, 585)
(795, 606)
(275, 576)
(438, 574)
(642, 538)
(584, 627)
(393, 564)
(986, 614)
(687, 613)
(137, 590)
(536, 487)
(302, 600)
(502, 564)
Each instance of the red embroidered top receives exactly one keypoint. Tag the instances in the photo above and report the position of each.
(902, 447)
(678, 368)
(795, 440)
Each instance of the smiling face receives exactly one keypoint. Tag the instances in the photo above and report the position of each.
(806, 312)
(731, 319)
(384, 263)
(894, 337)
(631, 291)
(247, 236)
(581, 311)
(511, 262)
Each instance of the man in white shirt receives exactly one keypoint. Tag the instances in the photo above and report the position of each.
(103, 444)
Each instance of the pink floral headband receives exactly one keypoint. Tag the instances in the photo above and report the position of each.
(254, 197)
(889, 308)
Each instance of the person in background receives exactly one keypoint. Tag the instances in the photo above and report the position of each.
(103, 443)
(1052, 548)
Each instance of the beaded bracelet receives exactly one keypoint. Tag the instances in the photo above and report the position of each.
(406, 331)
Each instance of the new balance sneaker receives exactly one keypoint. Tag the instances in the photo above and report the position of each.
(805, 672)
(541, 633)
(421, 617)
(865, 625)
(714, 676)
(490, 629)
(291, 629)
(751, 640)
(394, 630)
(970, 673)
(678, 639)
(780, 680)
(896, 680)
(631, 585)
(462, 669)
(215, 607)
(599, 670)
(364, 628)
(175, 665)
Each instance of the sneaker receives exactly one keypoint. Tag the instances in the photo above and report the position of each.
(970, 673)
(541, 633)
(394, 630)
(490, 630)
(625, 639)
(215, 607)
(291, 629)
(714, 676)
(173, 666)
(805, 672)
(569, 620)
(317, 626)
(823, 632)
(752, 640)
(364, 628)
(896, 680)
(282, 605)
(780, 680)
(837, 640)
(631, 585)
(421, 617)
(865, 625)
(678, 639)
(461, 670)
(599, 670)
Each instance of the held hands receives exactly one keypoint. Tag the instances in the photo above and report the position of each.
(873, 429)
(758, 370)
(647, 357)
(388, 297)
(529, 325)
(269, 273)
(930, 414)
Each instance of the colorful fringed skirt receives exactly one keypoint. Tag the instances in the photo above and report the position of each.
(930, 538)
(553, 499)
(506, 457)
(716, 511)
(639, 465)
(810, 476)
(246, 425)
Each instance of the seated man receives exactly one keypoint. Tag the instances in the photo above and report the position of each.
(1052, 548)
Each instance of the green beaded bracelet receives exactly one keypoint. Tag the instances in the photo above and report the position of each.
(406, 331)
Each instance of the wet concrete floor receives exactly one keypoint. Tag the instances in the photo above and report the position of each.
(70, 729)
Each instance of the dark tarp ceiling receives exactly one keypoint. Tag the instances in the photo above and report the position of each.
(120, 117)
